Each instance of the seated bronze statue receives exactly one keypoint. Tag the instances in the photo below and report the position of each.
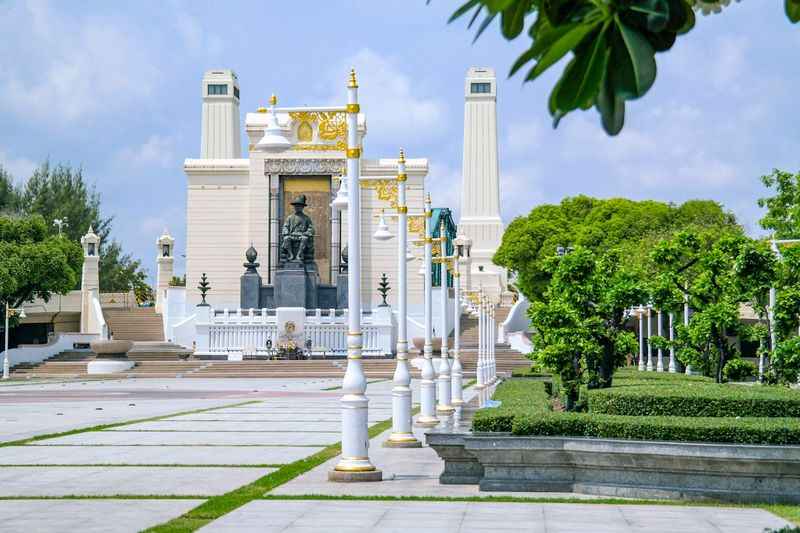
(297, 236)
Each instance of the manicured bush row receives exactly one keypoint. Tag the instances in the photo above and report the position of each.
(529, 373)
(775, 431)
(694, 399)
(517, 396)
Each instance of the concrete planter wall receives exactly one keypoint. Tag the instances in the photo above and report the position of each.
(622, 468)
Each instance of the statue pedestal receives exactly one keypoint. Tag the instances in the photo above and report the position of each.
(296, 285)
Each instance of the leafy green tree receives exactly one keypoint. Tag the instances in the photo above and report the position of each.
(580, 324)
(61, 192)
(629, 226)
(783, 209)
(719, 274)
(612, 45)
(34, 263)
(8, 194)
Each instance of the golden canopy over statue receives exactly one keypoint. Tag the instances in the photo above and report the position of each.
(297, 235)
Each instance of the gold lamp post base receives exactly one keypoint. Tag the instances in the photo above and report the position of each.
(402, 441)
(355, 477)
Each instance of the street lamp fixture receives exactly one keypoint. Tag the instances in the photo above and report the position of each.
(340, 202)
(382, 233)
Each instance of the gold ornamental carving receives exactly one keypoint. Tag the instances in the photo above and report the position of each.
(330, 126)
(385, 189)
(416, 224)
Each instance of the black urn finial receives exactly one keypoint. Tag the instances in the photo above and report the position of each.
(251, 255)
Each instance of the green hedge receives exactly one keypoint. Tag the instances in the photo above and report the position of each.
(517, 396)
(776, 431)
(693, 399)
(526, 410)
(531, 372)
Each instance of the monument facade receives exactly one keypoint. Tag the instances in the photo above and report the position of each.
(235, 202)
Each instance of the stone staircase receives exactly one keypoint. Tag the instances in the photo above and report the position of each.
(136, 324)
(159, 359)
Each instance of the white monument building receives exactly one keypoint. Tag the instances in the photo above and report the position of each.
(480, 187)
(235, 201)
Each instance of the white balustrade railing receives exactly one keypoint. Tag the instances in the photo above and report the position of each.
(248, 331)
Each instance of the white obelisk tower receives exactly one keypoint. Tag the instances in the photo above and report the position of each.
(221, 136)
(480, 190)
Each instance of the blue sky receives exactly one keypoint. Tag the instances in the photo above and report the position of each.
(115, 87)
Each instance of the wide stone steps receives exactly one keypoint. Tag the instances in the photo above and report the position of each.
(137, 324)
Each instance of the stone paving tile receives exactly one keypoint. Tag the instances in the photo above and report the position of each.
(224, 426)
(161, 438)
(109, 481)
(149, 455)
(269, 417)
(88, 516)
(461, 517)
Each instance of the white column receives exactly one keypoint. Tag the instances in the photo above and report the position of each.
(354, 463)
(402, 436)
(688, 369)
(660, 362)
(90, 279)
(649, 335)
(672, 368)
(480, 380)
(772, 335)
(641, 338)
(427, 387)
(444, 385)
(457, 372)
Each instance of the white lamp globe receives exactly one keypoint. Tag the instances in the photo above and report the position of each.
(341, 201)
(382, 233)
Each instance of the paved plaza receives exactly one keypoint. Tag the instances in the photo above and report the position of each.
(197, 438)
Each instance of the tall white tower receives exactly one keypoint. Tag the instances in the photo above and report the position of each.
(220, 137)
(480, 186)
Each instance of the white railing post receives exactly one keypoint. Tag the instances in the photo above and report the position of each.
(427, 416)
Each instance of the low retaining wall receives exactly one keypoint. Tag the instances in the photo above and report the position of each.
(621, 468)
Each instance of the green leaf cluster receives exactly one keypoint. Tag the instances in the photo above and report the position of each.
(33, 262)
(719, 275)
(600, 225)
(61, 192)
(611, 46)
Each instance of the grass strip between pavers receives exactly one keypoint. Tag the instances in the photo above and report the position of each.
(787, 512)
(338, 387)
(221, 505)
(101, 427)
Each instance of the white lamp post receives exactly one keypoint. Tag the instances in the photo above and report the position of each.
(444, 385)
(480, 378)
(457, 371)
(688, 369)
(660, 361)
(402, 435)
(427, 415)
(493, 343)
(672, 368)
(6, 362)
(641, 338)
(354, 464)
(649, 336)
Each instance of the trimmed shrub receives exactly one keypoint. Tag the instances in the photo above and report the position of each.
(774, 431)
(532, 372)
(739, 370)
(694, 399)
(517, 396)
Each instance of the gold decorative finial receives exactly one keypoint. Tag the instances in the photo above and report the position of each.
(353, 83)
(402, 158)
(273, 100)
(262, 109)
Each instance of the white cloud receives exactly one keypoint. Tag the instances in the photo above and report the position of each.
(396, 106)
(20, 168)
(196, 39)
(156, 150)
(73, 67)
